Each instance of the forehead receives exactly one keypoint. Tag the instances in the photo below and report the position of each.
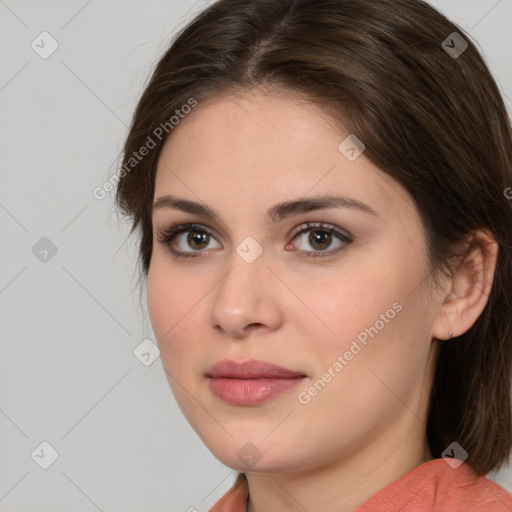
(258, 149)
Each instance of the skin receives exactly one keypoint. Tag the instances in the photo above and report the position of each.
(241, 154)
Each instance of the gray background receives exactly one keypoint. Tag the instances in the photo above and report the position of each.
(69, 325)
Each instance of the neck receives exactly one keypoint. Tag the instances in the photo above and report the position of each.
(345, 483)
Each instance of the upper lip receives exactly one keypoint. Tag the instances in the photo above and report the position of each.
(252, 369)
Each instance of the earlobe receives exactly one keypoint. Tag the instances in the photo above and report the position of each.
(470, 286)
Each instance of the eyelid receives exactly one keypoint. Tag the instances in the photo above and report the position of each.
(343, 236)
(320, 226)
(172, 232)
(168, 235)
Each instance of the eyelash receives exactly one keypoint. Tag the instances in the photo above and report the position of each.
(167, 236)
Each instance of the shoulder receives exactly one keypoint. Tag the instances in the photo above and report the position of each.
(460, 489)
(436, 486)
(235, 499)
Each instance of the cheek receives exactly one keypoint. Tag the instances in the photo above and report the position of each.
(170, 299)
(381, 333)
(178, 309)
(365, 310)
(352, 298)
(167, 304)
(160, 301)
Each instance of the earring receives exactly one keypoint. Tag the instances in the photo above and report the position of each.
(450, 335)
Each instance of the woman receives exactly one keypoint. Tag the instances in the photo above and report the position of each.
(319, 187)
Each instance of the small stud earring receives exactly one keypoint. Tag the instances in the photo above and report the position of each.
(450, 335)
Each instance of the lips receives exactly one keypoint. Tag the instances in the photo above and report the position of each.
(253, 369)
(251, 382)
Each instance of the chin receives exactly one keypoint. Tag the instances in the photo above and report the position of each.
(242, 454)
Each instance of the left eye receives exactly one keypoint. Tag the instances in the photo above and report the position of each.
(320, 238)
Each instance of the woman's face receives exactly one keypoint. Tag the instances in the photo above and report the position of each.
(348, 311)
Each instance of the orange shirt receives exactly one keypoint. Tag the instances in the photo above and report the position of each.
(433, 486)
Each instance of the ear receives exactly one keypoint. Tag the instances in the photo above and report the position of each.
(468, 289)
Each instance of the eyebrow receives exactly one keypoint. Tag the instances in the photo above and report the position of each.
(275, 214)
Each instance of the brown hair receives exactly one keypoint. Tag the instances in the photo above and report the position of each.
(434, 121)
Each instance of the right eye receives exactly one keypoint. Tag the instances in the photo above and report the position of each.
(197, 238)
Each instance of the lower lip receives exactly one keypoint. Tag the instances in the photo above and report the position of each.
(250, 391)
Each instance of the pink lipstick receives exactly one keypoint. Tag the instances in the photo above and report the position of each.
(250, 382)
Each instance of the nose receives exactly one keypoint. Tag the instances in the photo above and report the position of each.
(246, 298)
